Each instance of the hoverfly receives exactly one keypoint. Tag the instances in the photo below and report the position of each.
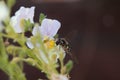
(66, 45)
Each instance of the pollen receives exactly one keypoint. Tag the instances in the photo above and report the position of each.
(50, 44)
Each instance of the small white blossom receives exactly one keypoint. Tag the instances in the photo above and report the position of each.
(59, 77)
(4, 11)
(22, 14)
(48, 28)
(63, 77)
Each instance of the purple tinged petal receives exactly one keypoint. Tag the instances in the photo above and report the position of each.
(49, 27)
(22, 13)
(16, 26)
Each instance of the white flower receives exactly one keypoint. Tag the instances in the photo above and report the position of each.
(22, 14)
(63, 77)
(59, 77)
(4, 11)
(48, 28)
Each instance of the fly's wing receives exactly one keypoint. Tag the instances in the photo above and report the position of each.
(71, 38)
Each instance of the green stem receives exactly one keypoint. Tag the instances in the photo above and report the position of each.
(16, 72)
(13, 70)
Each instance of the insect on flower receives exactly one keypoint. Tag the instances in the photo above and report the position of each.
(66, 42)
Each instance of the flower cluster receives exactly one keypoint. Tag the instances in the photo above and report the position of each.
(39, 50)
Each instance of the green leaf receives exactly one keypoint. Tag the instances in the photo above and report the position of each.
(28, 25)
(15, 50)
(42, 16)
(69, 66)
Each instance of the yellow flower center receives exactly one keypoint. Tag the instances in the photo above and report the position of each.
(50, 44)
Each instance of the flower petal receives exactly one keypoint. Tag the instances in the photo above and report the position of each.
(59, 77)
(35, 30)
(29, 43)
(22, 14)
(4, 11)
(49, 27)
(15, 25)
(26, 13)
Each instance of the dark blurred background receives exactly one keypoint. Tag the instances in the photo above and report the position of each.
(96, 38)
